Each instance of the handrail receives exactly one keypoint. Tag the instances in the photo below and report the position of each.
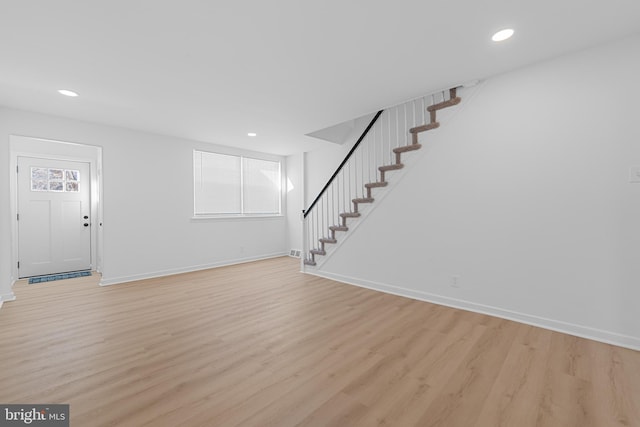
(346, 159)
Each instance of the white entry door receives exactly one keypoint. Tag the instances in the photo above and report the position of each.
(54, 217)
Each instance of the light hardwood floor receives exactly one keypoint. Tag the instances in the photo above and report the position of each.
(261, 344)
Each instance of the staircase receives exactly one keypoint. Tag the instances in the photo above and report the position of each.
(378, 151)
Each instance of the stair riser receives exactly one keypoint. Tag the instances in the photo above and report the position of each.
(424, 128)
(372, 185)
(442, 105)
(344, 220)
(383, 176)
(407, 148)
(329, 241)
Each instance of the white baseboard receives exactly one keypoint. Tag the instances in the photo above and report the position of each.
(7, 297)
(151, 275)
(551, 324)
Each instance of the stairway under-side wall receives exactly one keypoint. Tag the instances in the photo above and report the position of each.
(378, 152)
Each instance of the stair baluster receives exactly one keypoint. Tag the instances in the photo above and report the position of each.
(353, 184)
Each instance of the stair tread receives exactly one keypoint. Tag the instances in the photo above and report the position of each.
(426, 127)
(350, 214)
(338, 228)
(376, 184)
(363, 200)
(450, 103)
(327, 240)
(406, 148)
(318, 252)
(391, 167)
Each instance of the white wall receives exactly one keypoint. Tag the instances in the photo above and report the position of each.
(6, 279)
(148, 203)
(319, 165)
(323, 163)
(295, 199)
(524, 194)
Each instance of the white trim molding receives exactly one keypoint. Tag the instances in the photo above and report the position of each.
(551, 324)
(7, 297)
(170, 272)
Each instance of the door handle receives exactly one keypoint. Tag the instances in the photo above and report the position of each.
(86, 224)
(85, 217)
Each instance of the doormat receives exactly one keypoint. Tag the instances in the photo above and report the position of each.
(52, 277)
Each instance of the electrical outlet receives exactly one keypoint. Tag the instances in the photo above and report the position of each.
(455, 281)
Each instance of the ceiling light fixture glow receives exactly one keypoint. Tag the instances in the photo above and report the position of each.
(252, 134)
(502, 35)
(66, 92)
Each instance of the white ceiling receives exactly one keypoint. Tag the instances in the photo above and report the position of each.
(213, 70)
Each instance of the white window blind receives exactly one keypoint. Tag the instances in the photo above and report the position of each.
(261, 183)
(234, 185)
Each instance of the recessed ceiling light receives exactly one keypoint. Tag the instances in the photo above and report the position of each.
(67, 92)
(502, 35)
(252, 134)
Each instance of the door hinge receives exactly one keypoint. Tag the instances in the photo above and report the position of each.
(18, 264)
(17, 169)
(17, 217)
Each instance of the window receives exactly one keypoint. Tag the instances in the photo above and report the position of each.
(58, 180)
(235, 186)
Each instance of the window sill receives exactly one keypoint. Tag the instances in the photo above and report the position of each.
(235, 217)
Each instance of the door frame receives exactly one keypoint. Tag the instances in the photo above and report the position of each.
(23, 146)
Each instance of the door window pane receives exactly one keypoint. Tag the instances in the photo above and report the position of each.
(72, 180)
(39, 179)
(56, 186)
(44, 179)
(72, 175)
(56, 174)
